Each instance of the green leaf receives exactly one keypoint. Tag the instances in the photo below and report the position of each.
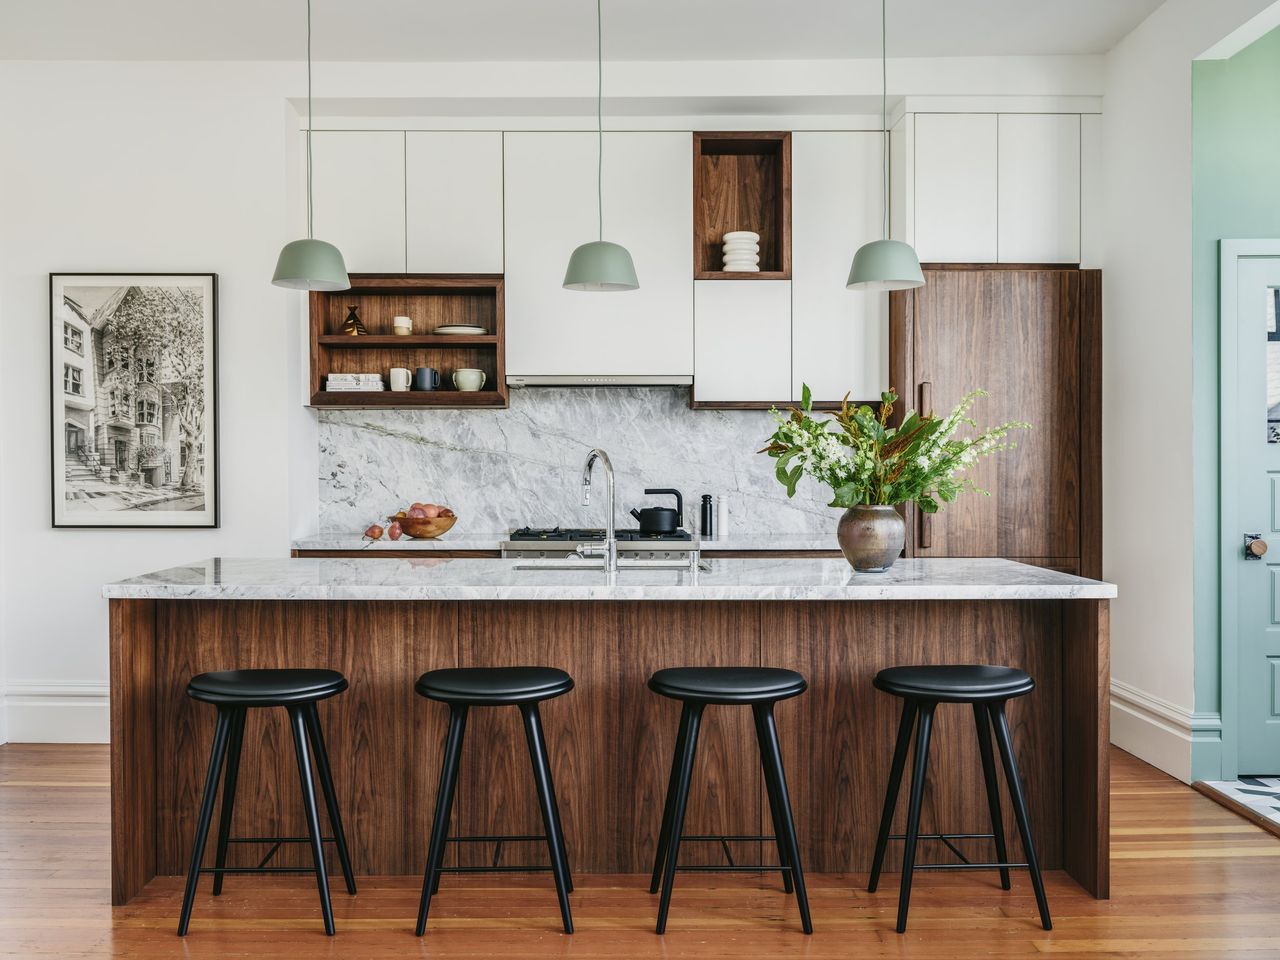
(806, 398)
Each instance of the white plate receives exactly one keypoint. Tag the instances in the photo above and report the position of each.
(742, 235)
(729, 269)
(746, 249)
(460, 330)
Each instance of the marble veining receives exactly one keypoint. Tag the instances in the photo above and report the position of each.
(437, 578)
(500, 469)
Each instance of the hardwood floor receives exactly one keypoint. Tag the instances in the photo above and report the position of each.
(1190, 879)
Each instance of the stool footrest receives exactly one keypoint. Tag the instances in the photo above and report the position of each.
(499, 869)
(257, 870)
(494, 839)
(968, 866)
(734, 868)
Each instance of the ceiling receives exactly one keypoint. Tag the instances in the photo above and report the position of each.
(433, 30)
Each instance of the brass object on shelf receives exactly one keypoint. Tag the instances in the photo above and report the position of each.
(354, 327)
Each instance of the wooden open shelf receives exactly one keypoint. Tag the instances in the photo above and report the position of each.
(742, 181)
(430, 301)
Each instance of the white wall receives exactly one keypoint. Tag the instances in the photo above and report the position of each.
(132, 168)
(1147, 361)
(188, 167)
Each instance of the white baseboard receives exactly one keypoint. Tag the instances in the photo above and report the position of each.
(37, 712)
(1157, 731)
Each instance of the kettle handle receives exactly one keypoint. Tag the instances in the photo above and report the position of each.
(679, 501)
(635, 513)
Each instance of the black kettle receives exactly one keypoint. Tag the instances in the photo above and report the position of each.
(658, 520)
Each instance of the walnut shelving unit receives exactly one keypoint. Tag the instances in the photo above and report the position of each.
(742, 181)
(431, 301)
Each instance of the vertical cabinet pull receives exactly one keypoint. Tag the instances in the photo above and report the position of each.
(924, 521)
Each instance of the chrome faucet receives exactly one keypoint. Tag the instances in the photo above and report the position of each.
(609, 549)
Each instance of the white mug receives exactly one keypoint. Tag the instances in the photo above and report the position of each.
(401, 377)
(402, 326)
(468, 379)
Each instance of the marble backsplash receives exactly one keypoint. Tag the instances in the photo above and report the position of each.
(500, 469)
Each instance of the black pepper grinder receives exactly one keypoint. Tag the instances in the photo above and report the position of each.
(707, 528)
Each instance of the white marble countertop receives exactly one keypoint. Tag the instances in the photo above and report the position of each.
(493, 541)
(437, 578)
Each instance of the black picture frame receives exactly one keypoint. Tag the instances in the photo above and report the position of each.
(127, 518)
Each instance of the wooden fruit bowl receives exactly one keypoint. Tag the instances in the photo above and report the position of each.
(424, 528)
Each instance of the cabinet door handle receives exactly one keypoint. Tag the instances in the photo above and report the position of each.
(924, 521)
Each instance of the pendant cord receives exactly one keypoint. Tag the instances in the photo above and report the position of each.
(599, 123)
(884, 120)
(310, 214)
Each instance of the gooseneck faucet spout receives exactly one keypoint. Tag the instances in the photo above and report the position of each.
(609, 549)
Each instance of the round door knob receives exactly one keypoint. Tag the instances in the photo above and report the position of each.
(1256, 548)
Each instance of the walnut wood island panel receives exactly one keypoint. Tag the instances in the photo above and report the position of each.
(383, 622)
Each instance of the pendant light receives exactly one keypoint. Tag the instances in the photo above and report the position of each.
(885, 264)
(600, 266)
(310, 264)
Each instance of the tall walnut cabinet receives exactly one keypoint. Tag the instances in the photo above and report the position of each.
(1032, 337)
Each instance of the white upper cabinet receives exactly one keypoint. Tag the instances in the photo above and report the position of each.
(742, 341)
(955, 201)
(358, 179)
(839, 337)
(454, 198)
(550, 207)
(1091, 196)
(1039, 195)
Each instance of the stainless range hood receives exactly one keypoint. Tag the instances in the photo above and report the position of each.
(599, 380)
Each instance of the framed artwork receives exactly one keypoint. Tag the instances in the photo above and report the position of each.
(134, 373)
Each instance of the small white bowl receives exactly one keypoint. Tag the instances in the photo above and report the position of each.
(740, 247)
(742, 235)
(729, 269)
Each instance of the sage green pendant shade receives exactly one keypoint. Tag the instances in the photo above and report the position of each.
(311, 265)
(885, 265)
(601, 267)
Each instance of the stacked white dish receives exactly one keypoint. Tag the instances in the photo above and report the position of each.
(741, 252)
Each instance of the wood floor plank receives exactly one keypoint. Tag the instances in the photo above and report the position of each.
(1190, 879)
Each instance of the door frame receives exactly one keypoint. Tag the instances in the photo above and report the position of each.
(1230, 253)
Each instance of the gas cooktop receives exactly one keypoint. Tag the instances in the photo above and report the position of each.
(589, 534)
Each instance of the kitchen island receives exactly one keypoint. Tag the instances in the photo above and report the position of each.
(383, 622)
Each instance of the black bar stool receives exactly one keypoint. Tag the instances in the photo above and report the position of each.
(466, 687)
(986, 688)
(233, 692)
(695, 688)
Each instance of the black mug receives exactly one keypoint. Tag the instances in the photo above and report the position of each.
(426, 378)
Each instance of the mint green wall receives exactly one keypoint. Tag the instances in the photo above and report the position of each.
(1235, 191)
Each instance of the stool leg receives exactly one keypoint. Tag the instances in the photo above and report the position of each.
(905, 725)
(312, 718)
(444, 806)
(669, 806)
(775, 805)
(297, 718)
(550, 814)
(983, 723)
(221, 733)
(918, 774)
(767, 733)
(688, 749)
(1005, 742)
(229, 793)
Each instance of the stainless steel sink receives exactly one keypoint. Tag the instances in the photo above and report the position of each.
(596, 563)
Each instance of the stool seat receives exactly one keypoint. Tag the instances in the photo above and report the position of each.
(493, 686)
(955, 683)
(727, 685)
(265, 688)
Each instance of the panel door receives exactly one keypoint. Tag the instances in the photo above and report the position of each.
(840, 340)
(1257, 471)
(550, 182)
(1016, 334)
(1039, 188)
(453, 189)
(742, 341)
(955, 187)
(359, 197)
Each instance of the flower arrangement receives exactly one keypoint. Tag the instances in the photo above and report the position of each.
(866, 462)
